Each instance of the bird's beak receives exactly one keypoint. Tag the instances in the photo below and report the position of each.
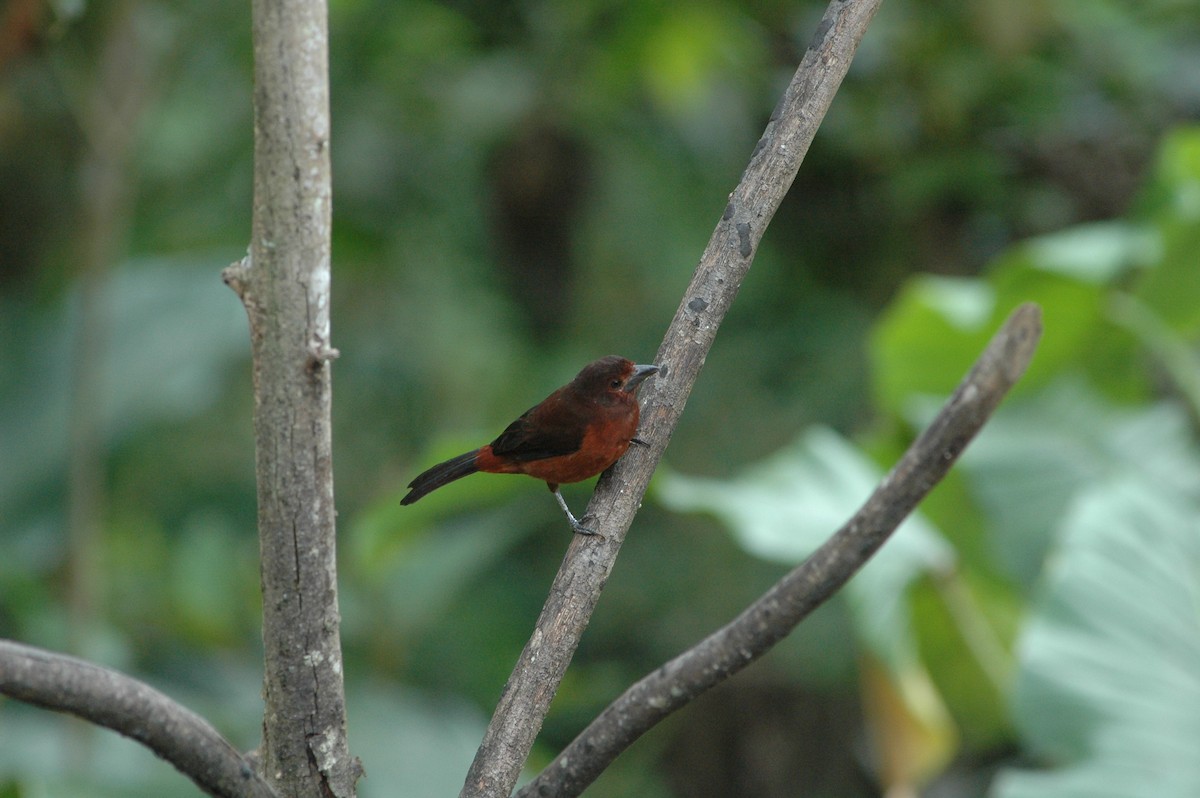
(639, 373)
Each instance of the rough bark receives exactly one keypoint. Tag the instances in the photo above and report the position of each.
(284, 284)
(774, 615)
(134, 709)
(726, 260)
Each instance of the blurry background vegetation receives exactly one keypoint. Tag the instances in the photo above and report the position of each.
(522, 187)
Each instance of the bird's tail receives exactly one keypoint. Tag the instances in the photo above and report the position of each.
(442, 474)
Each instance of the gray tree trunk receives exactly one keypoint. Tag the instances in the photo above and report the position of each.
(284, 284)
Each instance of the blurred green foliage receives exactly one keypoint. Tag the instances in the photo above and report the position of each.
(520, 188)
(1084, 485)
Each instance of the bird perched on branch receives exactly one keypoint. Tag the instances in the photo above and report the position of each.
(575, 433)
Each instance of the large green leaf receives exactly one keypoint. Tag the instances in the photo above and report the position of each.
(1108, 694)
(936, 327)
(786, 506)
(1037, 454)
(928, 334)
(1172, 287)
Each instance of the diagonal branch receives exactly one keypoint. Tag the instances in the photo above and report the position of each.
(134, 709)
(774, 615)
(715, 283)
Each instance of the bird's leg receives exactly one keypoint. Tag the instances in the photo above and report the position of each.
(576, 525)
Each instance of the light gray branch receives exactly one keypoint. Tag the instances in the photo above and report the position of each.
(134, 709)
(715, 283)
(773, 616)
(285, 287)
(284, 283)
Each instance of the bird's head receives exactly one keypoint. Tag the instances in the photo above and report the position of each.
(612, 377)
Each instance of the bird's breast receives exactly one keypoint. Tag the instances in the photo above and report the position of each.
(603, 444)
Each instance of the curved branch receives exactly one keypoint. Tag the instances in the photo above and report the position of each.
(134, 709)
(773, 616)
(715, 283)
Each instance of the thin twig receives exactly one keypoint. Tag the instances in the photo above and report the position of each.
(773, 616)
(134, 709)
(715, 283)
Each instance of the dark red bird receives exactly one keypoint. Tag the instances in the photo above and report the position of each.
(575, 433)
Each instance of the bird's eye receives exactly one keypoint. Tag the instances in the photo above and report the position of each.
(615, 384)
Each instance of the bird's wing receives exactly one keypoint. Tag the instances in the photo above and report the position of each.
(538, 435)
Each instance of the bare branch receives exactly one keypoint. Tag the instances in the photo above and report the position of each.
(773, 616)
(134, 709)
(715, 283)
(284, 284)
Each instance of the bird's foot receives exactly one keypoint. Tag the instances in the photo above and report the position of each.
(577, 524)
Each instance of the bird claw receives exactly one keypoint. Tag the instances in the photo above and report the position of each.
(580, 529)
(576, 523)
